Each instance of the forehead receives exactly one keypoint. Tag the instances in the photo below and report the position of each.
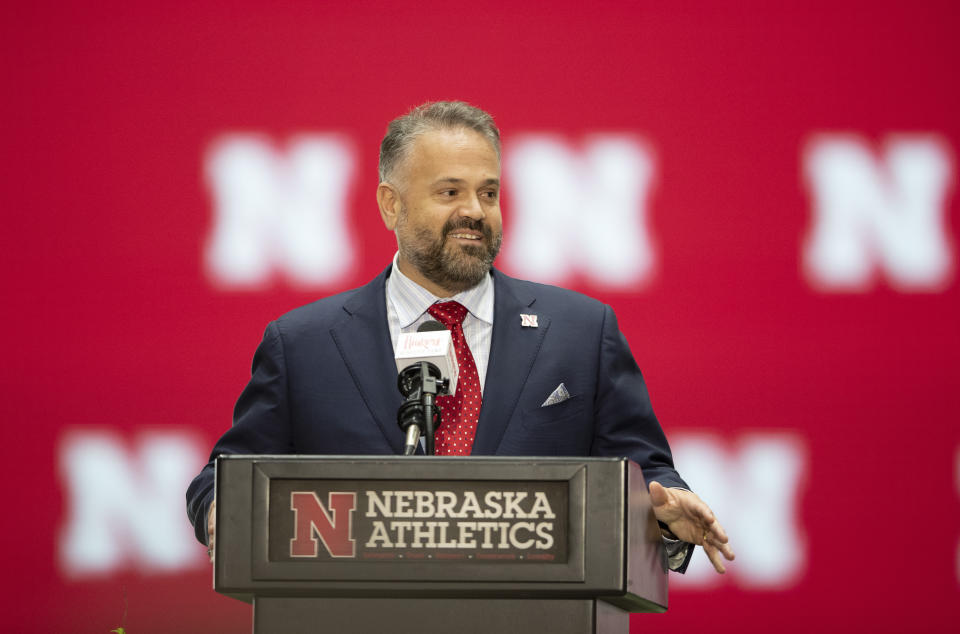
(455, 151)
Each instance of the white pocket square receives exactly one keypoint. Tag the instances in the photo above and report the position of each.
(559, 395)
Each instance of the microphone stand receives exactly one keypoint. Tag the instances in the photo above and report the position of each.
(428, 395)
(421, 384)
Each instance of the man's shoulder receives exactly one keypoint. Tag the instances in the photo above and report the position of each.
(330, 310)
(323, 308)
(547, 296)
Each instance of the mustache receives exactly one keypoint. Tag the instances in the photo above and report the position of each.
(469, 224)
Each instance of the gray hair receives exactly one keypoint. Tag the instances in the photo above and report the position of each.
(436, 115)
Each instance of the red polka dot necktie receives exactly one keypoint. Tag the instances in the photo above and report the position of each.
(460, 411)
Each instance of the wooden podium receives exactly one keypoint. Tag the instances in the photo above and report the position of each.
(437, 544)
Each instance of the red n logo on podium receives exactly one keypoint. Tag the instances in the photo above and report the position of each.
(312, 519)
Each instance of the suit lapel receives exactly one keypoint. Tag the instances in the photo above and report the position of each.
(364, 343)
(512, 353)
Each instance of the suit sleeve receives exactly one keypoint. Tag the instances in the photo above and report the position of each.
(261, 424)
(625, 423)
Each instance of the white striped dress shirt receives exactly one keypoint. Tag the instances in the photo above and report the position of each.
(407, 304)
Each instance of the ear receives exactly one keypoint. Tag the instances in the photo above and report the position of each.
(388, 199)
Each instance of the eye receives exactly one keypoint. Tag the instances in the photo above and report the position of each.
(490, 195)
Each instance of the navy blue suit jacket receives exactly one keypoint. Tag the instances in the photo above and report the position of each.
(324, 382)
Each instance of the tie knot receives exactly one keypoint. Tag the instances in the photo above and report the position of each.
(449, 314)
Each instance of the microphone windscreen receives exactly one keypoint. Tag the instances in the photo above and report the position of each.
(430, 326)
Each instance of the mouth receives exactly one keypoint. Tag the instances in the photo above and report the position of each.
(467, 236)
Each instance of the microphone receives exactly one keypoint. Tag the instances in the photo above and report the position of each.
(427, 366)
(431, 343)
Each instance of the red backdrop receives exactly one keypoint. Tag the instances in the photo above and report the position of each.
(118, 328)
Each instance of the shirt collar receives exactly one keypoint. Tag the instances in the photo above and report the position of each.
(411, 300)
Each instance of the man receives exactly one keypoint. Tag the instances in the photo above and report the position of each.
(544, 371)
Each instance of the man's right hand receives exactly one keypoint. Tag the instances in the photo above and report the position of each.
(211, 529)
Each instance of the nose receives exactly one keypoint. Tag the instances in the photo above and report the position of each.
(473, 208)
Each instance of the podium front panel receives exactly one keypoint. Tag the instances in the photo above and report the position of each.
(355, 526)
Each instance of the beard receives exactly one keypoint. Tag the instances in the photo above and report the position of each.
(454, 267)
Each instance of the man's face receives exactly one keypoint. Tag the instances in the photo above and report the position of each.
(449, 228)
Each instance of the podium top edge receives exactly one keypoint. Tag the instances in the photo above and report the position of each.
(419, 458)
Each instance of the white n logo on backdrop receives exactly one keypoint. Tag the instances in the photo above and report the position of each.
(754, 491)
(126, 508)
(579, 211)
(279, 212)
(868, 214)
